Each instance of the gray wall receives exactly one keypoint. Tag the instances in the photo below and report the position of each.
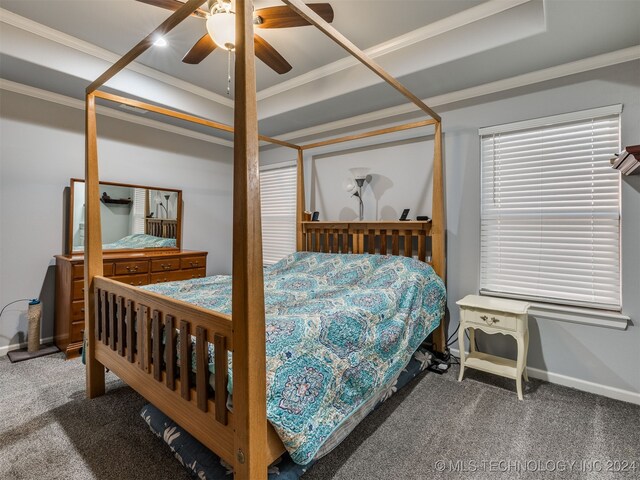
(115, 218)
(400, 174)
(589, 353)
(42, 147)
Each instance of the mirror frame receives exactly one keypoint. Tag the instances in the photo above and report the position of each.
(69, 243)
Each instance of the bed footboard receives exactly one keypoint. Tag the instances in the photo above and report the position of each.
(136, 336)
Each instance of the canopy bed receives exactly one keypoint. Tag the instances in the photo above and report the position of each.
(135, 332)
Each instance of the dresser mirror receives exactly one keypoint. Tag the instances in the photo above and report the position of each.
(132, 217)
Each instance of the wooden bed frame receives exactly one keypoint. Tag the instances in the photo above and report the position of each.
(161, 227)
(124, 324)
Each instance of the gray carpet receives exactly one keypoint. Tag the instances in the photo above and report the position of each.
(478, 429)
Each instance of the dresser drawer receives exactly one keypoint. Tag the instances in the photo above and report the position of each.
(177, 276)
(78, 270)
(77, 310)
(193, 262)
(491, 319)
(129, 268)
(165, 265)
(135, 280)
(75, 335)
(78, 289)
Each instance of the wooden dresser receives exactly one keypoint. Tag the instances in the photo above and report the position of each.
(134, 268)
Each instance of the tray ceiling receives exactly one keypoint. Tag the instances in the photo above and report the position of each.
(435, 47)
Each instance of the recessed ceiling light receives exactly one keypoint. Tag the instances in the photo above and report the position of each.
(160, 42)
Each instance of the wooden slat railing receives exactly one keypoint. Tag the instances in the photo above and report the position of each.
(407, 238)
(140, 327)
(161, 227)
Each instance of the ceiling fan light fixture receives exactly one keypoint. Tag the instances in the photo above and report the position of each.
(222, 29)
(160, 42)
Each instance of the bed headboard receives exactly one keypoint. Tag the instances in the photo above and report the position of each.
(161, 227)
(409, 239)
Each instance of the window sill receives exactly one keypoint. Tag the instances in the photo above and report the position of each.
(583, 316)
(580, 315)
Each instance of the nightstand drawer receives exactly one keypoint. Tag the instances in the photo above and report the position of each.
(491, 319)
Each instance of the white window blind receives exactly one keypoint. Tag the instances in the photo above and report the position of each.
(278, 203)
(550, 210)
(137, 219)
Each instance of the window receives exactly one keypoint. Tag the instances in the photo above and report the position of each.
(278, 203)
(137, 217)
(550, 210)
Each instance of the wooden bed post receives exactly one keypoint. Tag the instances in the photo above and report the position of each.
(249, 355)
(300, 244)
(92, 249)
(438, 228)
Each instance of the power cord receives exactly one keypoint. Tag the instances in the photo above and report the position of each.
(455, 338)
(15, 301)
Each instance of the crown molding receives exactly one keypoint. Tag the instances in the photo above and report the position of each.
(56, 36)
(461, 19)
(458, 20)
(591, 63)
(107, 112)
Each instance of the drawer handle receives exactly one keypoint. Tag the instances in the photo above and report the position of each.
(488, 320)
(134, 269)
(82, 309)
(166, 267)
(193, 264)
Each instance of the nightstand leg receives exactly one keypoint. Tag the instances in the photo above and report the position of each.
(519, 366)
(461, 347)
(472, 339)
(526, 353)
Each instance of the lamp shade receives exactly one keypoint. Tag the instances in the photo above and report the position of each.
(359, 173)
(222, 29)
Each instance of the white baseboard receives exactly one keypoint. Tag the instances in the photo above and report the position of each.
(17, 346)
(579, 384)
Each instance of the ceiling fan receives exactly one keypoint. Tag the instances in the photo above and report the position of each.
(220, 23)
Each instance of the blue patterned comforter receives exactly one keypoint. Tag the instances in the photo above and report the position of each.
(141, 240)
(136, 240)
(339, 329)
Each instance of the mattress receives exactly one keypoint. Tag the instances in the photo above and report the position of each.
(339, 331)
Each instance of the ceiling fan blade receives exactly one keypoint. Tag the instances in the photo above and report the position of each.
(173, 5)
(284, 17)
(200, 50)
(270, 56)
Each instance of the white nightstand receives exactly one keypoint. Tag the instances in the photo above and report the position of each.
(494, 315)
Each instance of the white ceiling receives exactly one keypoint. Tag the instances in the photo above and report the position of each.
(117, 25)
(434, 46)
